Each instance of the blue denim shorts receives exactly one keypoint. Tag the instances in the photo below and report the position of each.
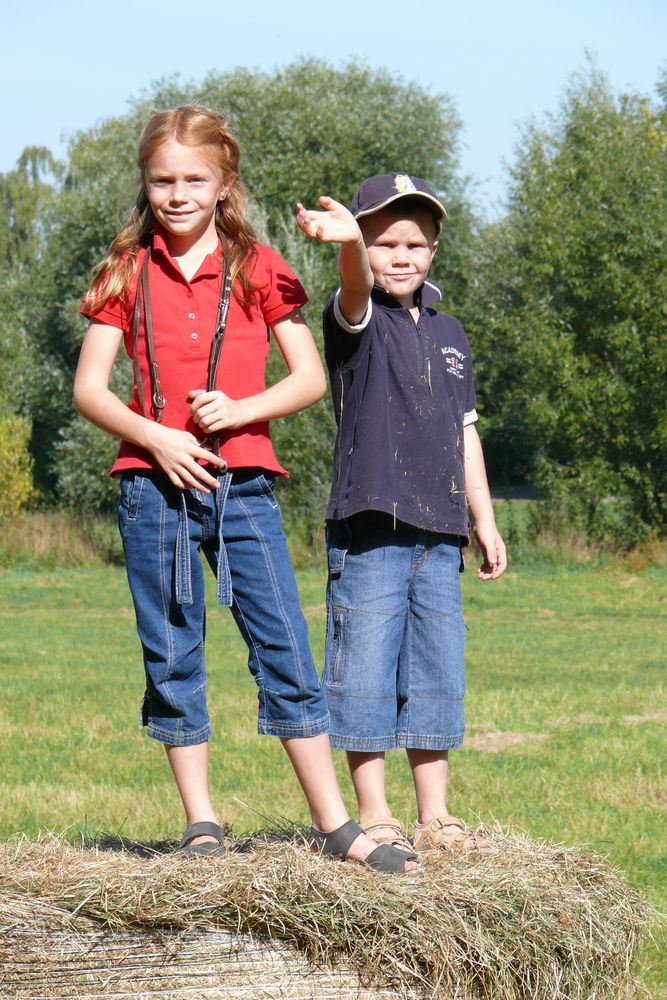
(239, 530)
(394, 674)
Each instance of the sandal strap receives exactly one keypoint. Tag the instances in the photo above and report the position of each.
(386, 858)
(380, 821)
(387, 830)
(441, 821)
(339, 841)
(203, 829)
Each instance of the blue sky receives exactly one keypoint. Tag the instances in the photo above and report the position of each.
(68, 64)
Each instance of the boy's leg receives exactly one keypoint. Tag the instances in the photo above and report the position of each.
(432, 681)
(367, 602)
(367, 772)
(429, 774)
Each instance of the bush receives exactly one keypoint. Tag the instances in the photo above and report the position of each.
(16, 466)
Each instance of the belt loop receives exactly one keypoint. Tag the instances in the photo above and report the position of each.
(183, 565)
(224, 577)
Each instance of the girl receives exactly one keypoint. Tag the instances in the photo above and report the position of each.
(192, 294)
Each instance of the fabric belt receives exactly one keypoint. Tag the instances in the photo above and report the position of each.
(183, 562)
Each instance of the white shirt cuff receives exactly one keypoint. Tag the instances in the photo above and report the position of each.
(470, 417)
(343, 323)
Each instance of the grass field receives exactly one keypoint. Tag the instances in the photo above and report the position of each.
(566, 717)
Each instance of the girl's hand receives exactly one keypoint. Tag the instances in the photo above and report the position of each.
(334, 225)
(178, 453)
(493, 550)
(214, 411)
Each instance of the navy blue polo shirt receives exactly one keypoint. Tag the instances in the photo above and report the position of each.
(402, 392)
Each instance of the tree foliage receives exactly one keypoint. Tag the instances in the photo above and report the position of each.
(305, 130)
(568, 313)
(564, 298)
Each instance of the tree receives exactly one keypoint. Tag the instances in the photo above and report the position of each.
(567, 313)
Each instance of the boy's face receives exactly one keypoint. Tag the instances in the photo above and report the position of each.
(400, 250)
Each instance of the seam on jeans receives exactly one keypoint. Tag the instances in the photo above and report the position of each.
(250, 642)
(166, 598)
(267, 491)
(364, 611)
(279, 602)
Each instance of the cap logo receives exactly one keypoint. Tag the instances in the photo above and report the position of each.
(403, 184)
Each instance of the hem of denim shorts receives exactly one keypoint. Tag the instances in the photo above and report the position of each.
(294, 730)
(400, 742)
(179, 739)
(408, 741)
(364, 744)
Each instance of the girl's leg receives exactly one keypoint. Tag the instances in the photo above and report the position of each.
(313, 765)
(189, 766)
(155, 526)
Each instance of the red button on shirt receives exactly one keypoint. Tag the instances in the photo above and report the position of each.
(184, 315)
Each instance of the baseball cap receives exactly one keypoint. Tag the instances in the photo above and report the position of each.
(376, 192)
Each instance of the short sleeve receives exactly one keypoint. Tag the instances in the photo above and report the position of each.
(279, 290)
(113, 313)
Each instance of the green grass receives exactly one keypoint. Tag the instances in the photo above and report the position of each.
(566, 716)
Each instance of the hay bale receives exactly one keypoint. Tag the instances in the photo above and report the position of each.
(530, 921)
(45, 952)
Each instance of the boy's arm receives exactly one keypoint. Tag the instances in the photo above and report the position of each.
(337, 225)
(479, 502)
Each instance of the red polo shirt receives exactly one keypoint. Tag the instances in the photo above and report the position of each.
(184, 315)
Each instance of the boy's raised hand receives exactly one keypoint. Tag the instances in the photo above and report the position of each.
(334, 225)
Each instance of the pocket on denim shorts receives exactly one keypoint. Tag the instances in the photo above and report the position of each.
(130, 494)
(337, 645)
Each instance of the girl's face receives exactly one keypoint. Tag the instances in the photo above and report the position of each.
(184, 189)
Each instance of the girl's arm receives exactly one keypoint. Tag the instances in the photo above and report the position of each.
(337, 225)
(479, 501)
(305, 384)
(176, 452)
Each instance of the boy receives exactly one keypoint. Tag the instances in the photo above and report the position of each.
(407, 458)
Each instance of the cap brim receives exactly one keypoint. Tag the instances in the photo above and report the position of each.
(421, 195)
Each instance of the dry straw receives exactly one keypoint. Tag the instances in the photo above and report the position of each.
(530, 921)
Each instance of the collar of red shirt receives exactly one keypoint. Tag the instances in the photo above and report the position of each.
(211, 264)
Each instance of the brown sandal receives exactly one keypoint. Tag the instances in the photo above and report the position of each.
(446, 833)
(387, 830)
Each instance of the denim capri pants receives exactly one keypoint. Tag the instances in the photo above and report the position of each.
(394, 673)
(239, 529)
